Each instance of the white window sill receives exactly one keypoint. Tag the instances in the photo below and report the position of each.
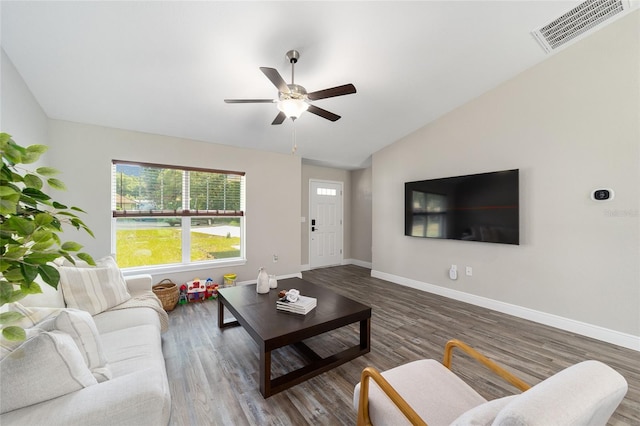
(200, 266)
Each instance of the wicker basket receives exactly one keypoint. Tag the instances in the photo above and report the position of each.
(168, 293)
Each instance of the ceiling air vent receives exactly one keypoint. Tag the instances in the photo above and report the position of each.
(581, 19)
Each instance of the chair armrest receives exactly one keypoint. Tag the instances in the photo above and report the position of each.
(385, 386)
(139, 283)
(491, 365)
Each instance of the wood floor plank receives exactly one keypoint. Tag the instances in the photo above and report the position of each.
(213, 374)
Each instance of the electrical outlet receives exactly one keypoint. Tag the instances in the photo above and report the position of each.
(275, 258)
(469, 271)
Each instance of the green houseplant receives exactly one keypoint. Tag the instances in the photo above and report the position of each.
(30, 224)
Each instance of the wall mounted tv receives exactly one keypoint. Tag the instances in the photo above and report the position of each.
(480, 207)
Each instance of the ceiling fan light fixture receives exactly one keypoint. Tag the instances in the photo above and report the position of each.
(292, 108)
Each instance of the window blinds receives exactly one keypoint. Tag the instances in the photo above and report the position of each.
(146, 189)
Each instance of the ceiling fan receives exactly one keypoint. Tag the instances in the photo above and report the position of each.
(293, 99)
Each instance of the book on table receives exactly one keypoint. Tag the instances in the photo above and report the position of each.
(303, 305)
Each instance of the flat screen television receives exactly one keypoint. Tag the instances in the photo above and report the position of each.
(480, 207)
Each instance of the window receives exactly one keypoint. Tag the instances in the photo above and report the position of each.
(326, 191)
(166, 215)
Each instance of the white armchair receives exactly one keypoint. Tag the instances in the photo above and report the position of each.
(427, 392)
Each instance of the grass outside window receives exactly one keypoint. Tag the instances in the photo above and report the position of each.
(161, 246)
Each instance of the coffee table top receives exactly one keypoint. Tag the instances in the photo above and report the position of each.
(257, 313)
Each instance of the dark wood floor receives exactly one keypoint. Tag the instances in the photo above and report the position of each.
(213, 374)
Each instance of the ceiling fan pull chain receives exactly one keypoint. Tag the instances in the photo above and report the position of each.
(294, 146)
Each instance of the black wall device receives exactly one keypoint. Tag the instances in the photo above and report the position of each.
(604, 194)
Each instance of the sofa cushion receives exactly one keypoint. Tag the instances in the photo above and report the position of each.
(93, 289)
(134, 349)
(44, 367)
(82, 329)
(109, 321)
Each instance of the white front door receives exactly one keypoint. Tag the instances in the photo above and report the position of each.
(325, 224)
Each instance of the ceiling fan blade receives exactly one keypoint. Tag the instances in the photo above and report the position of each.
(279, 118)
(249, 101)
(323, 113)
(274, 76)
(345, 89)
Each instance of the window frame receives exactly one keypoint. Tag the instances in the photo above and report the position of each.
(184, 214)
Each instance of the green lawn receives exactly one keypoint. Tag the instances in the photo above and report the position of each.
(161, 246)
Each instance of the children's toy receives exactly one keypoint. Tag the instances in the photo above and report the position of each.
(212, 289)
(196, 290)
(182, 299)
(229, 280)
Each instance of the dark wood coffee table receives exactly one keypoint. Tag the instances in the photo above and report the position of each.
(272, 329)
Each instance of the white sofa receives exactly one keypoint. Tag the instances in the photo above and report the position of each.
(137, 392)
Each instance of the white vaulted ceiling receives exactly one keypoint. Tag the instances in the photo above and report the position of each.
(165, 67)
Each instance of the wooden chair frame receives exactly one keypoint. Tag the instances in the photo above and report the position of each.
(403, 406)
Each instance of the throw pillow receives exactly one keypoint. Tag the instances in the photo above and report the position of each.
(82, 329)
(93, 289)
(31, 318)
(42, 368)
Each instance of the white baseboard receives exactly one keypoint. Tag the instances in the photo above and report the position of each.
(606, 335)
(280, 277)
(357, 263)
(344, 262)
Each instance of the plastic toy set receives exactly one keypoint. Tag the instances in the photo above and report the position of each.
(198, 291)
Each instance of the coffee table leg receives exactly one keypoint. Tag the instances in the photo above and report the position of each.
(220, 314)
(265, 372)
(365, 334)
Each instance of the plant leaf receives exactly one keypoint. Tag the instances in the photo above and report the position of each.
(43, 219)
(87, 258)
(22, 226)
(35, 194)
(56, 184)
(33, 181)
(13, 275)
(71, 246)
(50, 275)
(41, 258)
(6, 191)
(58, 205)
(9, 205)
(29, 272)
(47, 171)
(41, 234)
(14, 333)
(9, 317)
(43, 245)
(12, 153)
(39, 149)
(15, 252)
(31, 288)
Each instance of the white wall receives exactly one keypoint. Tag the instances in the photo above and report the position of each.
(20, 114)
(361, 197)
(570, 124)
(85, 152)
